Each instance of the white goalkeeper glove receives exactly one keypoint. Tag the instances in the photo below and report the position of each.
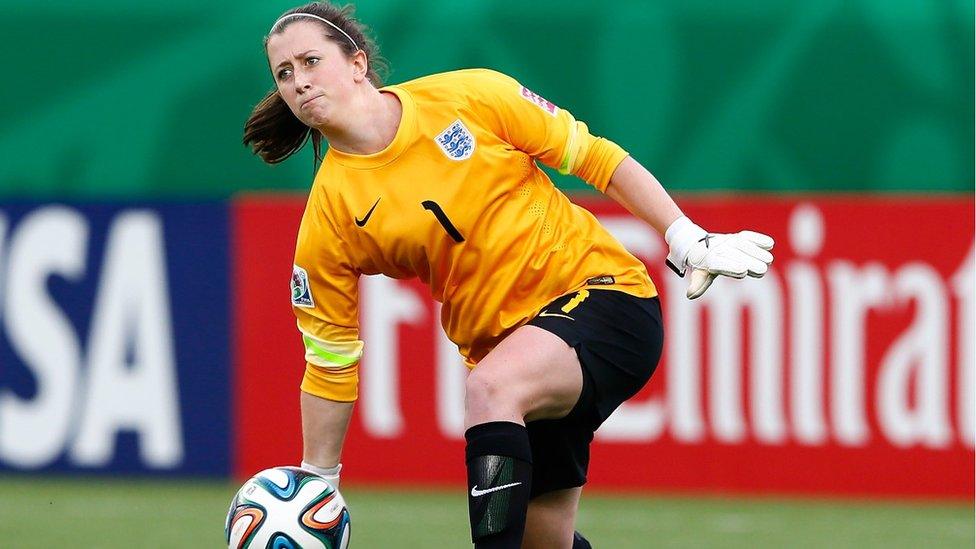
(330, 474)
(709, 255)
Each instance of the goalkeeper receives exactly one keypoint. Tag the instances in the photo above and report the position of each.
(437, 178)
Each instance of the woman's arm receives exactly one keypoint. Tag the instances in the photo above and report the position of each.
(691, 247)
(636, 189)
(324, 426)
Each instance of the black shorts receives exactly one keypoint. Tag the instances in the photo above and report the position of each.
(618, 339)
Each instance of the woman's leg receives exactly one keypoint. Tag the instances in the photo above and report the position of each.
(532, 374)
(550, 521)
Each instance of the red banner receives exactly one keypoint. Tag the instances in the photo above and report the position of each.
(847, 370)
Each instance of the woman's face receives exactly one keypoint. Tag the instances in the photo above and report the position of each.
(313, 75)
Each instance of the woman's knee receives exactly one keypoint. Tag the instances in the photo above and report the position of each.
(488, 389)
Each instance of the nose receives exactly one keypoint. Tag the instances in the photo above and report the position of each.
(301, 82)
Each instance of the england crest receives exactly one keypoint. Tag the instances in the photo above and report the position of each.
(456, 141)
(301, 292)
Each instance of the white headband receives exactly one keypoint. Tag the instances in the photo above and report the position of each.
(313, 16)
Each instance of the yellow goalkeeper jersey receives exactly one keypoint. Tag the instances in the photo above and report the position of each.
(458, 200)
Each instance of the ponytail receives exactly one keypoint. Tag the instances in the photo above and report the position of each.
(273, 133)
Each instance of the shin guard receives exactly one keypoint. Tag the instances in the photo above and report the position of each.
(499, 463)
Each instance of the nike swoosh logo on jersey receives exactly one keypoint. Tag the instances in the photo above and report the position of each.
(547, 313)
(475, 492)
(362, 222)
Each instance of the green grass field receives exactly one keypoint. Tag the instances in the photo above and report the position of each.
(103, 513)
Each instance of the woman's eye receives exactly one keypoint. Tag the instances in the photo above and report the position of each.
(284, 73)
(312, 61)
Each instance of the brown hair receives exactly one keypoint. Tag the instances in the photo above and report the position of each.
(272, 131)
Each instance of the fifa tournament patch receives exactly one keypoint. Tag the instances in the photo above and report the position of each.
(540, 101)
(301, 292)
(456, 141)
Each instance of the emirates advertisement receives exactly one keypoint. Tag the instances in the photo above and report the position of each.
(847, 370)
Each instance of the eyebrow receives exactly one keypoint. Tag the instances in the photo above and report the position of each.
(299, 56)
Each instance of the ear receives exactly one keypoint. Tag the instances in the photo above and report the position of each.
(360, 66)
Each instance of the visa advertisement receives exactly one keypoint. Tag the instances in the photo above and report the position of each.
(114, 338)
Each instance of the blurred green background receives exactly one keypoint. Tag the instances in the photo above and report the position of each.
(127, 100)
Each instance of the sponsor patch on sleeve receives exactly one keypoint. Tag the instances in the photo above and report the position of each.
(542, 102)
(301, 292)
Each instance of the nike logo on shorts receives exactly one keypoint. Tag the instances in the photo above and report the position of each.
(475, 492)
(547, 313)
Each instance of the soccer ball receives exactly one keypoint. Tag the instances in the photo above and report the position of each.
(287, 508)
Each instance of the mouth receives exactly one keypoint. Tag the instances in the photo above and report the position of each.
(309, 100)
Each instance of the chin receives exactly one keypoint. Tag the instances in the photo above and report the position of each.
(316, 122)
(314, 118)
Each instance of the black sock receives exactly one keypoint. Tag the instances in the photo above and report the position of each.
(499, 461)
(579, 542)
